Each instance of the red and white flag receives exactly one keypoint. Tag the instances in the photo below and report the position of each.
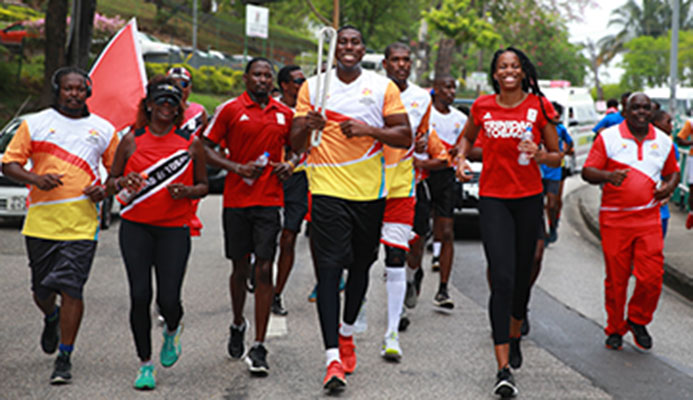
(119, 79)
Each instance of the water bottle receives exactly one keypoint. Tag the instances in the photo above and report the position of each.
(523, 158)
(262, 161)
(126, 195)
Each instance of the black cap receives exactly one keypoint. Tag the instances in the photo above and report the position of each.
(165, 90)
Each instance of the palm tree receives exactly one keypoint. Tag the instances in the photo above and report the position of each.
(638, 18)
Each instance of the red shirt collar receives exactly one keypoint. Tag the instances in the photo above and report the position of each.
(626, 134)
(248, 102)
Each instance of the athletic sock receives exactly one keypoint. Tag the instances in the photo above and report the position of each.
(443, 286)
(66, 348)
(346, 330)
(332, 355)
(258, 343)
(146, 363)
(396, 287)
(436, 249)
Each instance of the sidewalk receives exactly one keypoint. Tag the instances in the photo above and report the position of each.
(678, 251)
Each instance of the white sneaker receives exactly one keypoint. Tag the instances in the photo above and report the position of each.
(391, 350)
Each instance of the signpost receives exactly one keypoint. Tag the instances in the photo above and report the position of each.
(256, 25)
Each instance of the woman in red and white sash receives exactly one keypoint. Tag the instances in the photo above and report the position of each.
(158, 171)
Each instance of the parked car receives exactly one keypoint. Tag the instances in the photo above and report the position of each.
(150, 45)
(14, 34)
(13, 195)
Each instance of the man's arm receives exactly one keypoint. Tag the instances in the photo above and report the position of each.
(249, 170)
(396, 133)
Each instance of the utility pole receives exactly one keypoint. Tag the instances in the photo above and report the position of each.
(674, 56)
(335, 14)
(194, 32)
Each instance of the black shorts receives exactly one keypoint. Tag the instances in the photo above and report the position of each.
(251, 230)
(442, 185)
(422, 210)
(551, 186)
(565, 172)
(59, 266)
(295, 201)
(345, 232)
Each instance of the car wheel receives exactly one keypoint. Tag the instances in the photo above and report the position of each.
(106, 216)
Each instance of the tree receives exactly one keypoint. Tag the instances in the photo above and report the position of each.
(646, 62)
(56, 14)
(460, 22)
(81, 27)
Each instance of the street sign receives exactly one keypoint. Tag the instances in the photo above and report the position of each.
(256, 21)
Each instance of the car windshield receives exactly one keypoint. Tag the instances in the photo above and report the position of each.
(7, 133)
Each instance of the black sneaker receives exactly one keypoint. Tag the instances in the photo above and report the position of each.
(614, 342)
(435, 264)
(257, 360)
(236, 347)
(410, 296)
(505, 384)
(61, 372)
(515, 353)
(50, 335)
(277, 307)
(443, 300)
(642, 339)
(524, 329)
(403, 321)
(418, 279)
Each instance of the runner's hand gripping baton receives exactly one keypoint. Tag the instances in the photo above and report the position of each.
(323, 78)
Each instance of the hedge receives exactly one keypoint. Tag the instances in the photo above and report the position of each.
(206, 79)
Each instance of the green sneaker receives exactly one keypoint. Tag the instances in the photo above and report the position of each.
(145, 378)
(170, 349)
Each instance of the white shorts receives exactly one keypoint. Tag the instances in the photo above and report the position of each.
(396, 235)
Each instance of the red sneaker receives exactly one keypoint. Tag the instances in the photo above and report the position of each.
(347, 353)
(689, 221)
(334, 379)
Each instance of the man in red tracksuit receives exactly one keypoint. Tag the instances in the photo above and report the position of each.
(635, 163)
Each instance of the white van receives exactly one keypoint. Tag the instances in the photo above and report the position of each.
(579, 116)
(684, 103)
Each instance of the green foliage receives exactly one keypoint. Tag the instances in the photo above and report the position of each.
(611, 91)
(208, 101)
(212, 80)
(646, 62)
(13, 13)
(459, 20)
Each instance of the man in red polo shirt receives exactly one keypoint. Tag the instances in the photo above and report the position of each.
(253, 128)
(636, 166)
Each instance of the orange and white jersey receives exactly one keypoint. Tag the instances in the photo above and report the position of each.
(448, 126)
(399, 166)
(72, 148)
(351, 169)
(685, 133)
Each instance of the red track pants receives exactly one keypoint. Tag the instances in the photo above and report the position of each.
(641, 249)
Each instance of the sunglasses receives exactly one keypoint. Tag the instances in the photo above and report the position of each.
(299, 81)
(184, 84)
(166, 100)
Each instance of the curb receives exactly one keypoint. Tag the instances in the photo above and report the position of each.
(673, 277)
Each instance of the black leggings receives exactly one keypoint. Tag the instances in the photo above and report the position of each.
(509, 233)
(167, 249)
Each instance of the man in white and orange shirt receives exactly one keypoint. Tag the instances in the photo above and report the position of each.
(447, 122)
(629, 160)
(400, 179)
(65, 144)
(346, 176)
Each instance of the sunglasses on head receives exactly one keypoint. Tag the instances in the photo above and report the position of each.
(299, 81)
(164, 100)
